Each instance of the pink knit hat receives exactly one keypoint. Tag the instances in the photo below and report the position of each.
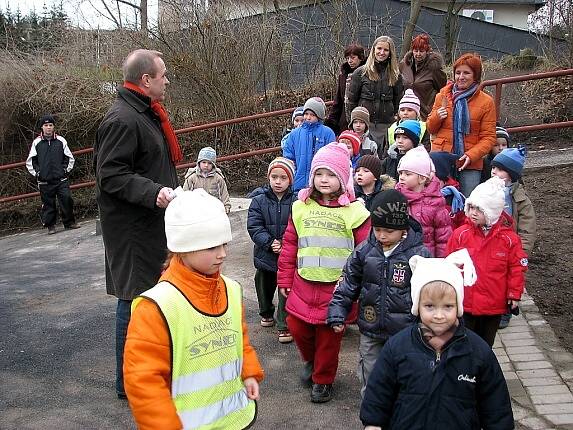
(354, 139)
(333, 157)
(410, 100)
(417, 160)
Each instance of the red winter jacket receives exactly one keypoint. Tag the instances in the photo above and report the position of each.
(500, 264)
(428, 207)
(308, 300)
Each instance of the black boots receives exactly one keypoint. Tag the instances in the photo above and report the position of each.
(321, 393)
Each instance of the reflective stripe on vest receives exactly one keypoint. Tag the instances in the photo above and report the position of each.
(325, 237)
(207, 356)
(392, 129)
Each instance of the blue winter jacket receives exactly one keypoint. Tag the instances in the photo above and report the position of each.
(381, 285)
(301, 145)
(267, 220)
(412, 387)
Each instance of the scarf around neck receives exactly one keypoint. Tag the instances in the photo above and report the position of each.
(461, 116)
(166, 127)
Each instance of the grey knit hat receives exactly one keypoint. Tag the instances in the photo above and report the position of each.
(207, 154)
(316, 105)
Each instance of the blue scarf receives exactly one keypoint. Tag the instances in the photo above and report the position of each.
(461, 116)
(458, 199)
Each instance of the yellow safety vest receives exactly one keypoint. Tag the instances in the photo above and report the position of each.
(325, 238)
(207, 355)
(392, 128)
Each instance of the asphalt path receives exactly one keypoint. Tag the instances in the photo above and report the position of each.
(57, 341)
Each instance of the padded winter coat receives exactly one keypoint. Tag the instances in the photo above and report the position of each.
(425, 79)
(267, 220)
(378, 97)
(481, 137)
(430, 209)
(500, 264)
(380, 284)
(301, 145)
(524, 220)
(307, 300)
(214, 183)
(411, 388)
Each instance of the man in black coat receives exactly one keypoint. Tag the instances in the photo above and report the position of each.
(50, 161)
(134, 161)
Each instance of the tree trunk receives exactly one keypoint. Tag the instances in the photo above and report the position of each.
(143, 10)
(415, 7)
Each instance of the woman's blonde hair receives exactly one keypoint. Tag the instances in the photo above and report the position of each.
(392, 69)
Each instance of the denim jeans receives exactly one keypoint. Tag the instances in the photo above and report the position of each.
(469, 179)
(122, 316)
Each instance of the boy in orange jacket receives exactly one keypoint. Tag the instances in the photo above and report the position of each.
(184, 364)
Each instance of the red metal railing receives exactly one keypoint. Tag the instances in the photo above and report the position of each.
(498, 83)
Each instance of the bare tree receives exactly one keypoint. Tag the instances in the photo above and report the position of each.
(415, 7)
(111, 11)
(452, 28)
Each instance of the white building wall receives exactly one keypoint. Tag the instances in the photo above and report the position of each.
(503, 14)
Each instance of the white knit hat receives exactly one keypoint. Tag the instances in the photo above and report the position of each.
(195, 220)
(207, 154)
(489, 197)
(457, 270)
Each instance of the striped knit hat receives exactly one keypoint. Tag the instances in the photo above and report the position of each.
(284, 164)
(501, 132)
(353, 138)
(410, 100)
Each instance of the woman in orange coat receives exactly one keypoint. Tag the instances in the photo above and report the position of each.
(462, 121)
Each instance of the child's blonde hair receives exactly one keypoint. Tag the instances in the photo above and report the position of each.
(393, 70)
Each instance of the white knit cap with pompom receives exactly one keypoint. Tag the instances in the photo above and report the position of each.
(457, 270)
(489, 197)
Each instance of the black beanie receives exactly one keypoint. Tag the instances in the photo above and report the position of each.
(390, 210)
(46, 119)
(372, 163)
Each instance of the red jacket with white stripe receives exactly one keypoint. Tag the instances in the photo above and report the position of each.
(500, 264)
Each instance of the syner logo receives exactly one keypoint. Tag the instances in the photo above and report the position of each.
(212, 342)
(467, 378)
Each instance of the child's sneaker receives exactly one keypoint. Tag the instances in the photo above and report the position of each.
(285, 336)
(267, 322)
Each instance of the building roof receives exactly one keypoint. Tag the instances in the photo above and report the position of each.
(473, 3)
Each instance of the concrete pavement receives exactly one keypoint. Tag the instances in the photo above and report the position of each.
(57, 363)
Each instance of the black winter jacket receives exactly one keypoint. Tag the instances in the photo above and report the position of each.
(378, 97)
(390, 163)
(267, 220)
(336, 118)
(50, 160)
(132, 163)
(413, 388)
(368, 197)
(381, 285)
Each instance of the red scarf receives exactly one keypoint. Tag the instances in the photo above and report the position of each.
(166, 127)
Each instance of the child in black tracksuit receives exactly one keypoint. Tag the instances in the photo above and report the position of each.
(378, 276)
(437, 374)
(266, 223)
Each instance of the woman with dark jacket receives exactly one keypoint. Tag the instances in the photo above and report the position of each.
(354, 57)
(423, 71)
(377, 86)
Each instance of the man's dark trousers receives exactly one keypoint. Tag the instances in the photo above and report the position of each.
(49, 191)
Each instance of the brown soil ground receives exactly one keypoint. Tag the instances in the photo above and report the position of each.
(550, 276)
